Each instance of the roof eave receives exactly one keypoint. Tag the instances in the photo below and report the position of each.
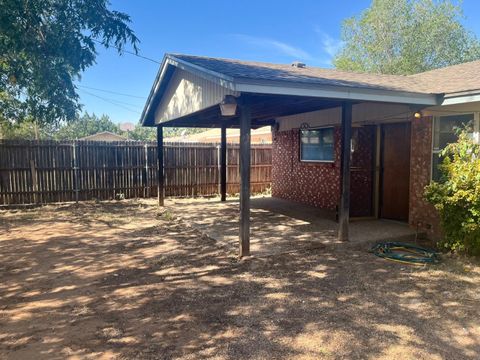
(282, 88)
(461, 97)
(336, 92)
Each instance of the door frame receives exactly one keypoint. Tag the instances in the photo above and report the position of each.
(378, 167)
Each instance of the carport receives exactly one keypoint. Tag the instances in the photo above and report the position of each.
(203, 92)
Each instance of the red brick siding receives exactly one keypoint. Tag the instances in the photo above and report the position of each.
(318, 184)
(422, 214)
(311, 183)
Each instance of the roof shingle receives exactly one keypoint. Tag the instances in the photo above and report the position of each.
(455, 78)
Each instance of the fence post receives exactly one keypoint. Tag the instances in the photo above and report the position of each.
(146, 192)
(34, 181)
(75, 170)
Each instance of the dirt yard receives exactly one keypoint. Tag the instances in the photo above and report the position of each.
(121, 280)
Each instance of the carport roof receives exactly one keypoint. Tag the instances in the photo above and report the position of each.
(456, 78)
(286, 80)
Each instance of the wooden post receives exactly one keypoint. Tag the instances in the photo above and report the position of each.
(33, 171)
(245, 126)
(146, 187)
(223, 164)
(75, 171)
(161, 192)
(344, 211)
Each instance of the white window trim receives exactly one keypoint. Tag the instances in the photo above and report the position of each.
(476, 130)
(317, 161)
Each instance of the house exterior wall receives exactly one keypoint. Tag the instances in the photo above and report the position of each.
(363, 114)
(318, 183)
(422, 215)
(312, 183)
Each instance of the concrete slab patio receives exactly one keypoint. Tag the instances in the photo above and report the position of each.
(279, 226)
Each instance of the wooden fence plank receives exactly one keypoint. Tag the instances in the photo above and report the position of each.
(58, 171)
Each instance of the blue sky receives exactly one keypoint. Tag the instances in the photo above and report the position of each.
(263, 30)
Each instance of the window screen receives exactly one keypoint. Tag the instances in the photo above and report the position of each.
(445, 132)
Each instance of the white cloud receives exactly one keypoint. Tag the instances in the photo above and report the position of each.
(272, 44)
(330, 45)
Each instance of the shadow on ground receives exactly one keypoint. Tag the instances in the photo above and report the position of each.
(117, 280)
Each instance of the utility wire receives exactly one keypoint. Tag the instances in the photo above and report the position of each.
(128, 52)
(111, 99)
(111, 102)
(112, 92)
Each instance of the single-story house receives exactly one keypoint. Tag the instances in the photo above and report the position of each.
(261, 135)
(364, 145)
(104, 136)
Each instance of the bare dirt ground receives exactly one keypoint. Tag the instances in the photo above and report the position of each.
(121, 280)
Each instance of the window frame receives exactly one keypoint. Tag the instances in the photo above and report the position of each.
(436, 118)
(315, 129)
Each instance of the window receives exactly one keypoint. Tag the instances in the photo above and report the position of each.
(316, 145)
(445, 132)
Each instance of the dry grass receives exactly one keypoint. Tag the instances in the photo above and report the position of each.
(124, 280)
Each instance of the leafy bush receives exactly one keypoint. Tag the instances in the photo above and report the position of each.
(457, 195)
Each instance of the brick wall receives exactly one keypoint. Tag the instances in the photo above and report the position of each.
(318, 184)
(311, 183)
(422, 214)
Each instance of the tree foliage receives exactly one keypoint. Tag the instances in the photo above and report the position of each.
(406, 37)
(457, 197)
(44, 47)
(84, 126)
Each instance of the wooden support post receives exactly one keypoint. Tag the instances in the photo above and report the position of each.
(161, 191)
(344, 212)
(245, 126)
(223, 164)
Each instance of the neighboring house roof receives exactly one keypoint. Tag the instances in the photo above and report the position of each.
(260, 135)
(429, 88)
(104, 136)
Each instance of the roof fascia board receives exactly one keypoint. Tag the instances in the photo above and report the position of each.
(335, 92)
(213, 76)
(153, 90)
(463, 99)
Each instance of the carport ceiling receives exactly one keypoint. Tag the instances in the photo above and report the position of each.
(264, 110)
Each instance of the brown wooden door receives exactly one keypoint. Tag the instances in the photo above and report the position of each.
(395, 184)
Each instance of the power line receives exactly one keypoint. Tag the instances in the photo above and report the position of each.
(112, 92)
(113, 102)
(110, 99)
(128, 52)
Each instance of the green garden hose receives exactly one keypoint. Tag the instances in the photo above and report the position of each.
(405, 253)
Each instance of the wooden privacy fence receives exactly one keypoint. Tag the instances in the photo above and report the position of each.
(54, 171)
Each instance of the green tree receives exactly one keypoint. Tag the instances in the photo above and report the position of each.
(142, 133)
(457, 196)
(44, 47)
(27, 130)
(84, 126)
(406, 37)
